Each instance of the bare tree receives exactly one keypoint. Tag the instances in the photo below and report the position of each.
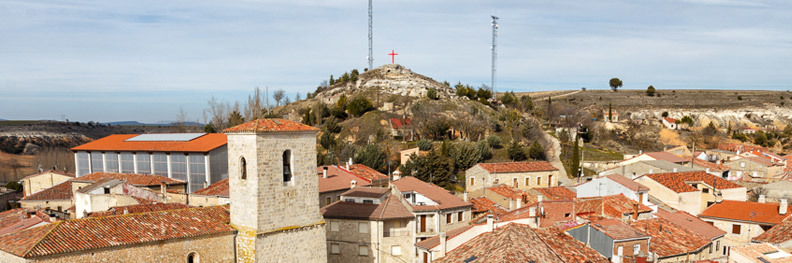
(218, 110)
(254, 105)
(297, 97)
(278, 95)
(180, 124)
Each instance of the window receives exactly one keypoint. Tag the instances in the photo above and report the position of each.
(107, 190)
(461, 216)
(287, 169)
(334, 226)
(527, 181)
(725, 250)
(636, 249)
(111, 159)
(567, 214)
(472, 181)
(179, 166)
(710, 249)
(363, 250)
(396, 250)
(97, 163)
(368, 201)
(514, 182)
(328, 200)
(448, 218)
(717, 245)
(710, 203)
(335, 248)
(192, 257)
(143, 163)
(538, 180)
(243, 168)
(160, 164)
(197, 163)
(742, 165)
(83, 163)
(550, 180)
(363, 227)
(736, 229)
(705, 190)
(127, 162)
(620, 251)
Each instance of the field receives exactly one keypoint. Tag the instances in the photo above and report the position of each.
(683, 99)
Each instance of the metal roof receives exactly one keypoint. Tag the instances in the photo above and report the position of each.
(165, 137)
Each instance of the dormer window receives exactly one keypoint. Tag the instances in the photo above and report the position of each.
(287, 168)
(243, 168)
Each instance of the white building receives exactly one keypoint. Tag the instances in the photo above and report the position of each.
(200, 159)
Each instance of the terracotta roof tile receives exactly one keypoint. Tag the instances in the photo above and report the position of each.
(21, 218)
(397, 123)
(104, 232)
(518, 167)
(778, 234)
(618, 230)
(760, 161)
(554, 212)
(219, 188)
(763, 213)
(117, 142)
(367, 173)
(481, 204)
(505, 244)
(612, 206)
(677, 181)
(556, 193)
(734, 147)
(568, 248)
(391, 208)
(670, 120)
(139, 208)
(133, 179)
(445, 199)
(712, 166)
(512, 193)
(271, 125)
(432, 242)
(337, 179)
(370, 192)
(688, 221)
(61, 191)
(626, 182)
(761, 251)
(669, 239)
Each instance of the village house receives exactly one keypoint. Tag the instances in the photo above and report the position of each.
(435, 209)
(55, 199)
(680, 151)
(520, 175)
(635, 169)
(614, 184)
(334, 181)
(698, 226)
(9, 198)
(778, 190)
(371, 176)
(613, 207)
(613, 239)
(199, 159)
(759, 253)
(108, 193)
(509, 198)
(18, 219)
(743, 220)
(214, 194)
(755, 169)
(674, 243)
(483, 207)
(541, 214)
(670, 123)
(691, 192)
(651, 156)
(715, 169)
(742, 148)
(37, 182)
(779, 235)
(555, 193)
(369, 224)
(402, 127)
(614, 116)
(139, 208)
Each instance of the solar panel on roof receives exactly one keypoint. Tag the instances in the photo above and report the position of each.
(165, 137)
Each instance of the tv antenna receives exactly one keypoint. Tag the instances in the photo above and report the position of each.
(494, 52)
(370, 37)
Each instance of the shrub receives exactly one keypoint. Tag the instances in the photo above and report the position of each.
(465, 155)
(650, 91)
(739, 97)
(665, 114)
(536, 151)
(484, 150)
(516, 152)
(359, 105)
(432, 93)
(424, 145)
(372, 156)
(494, 141)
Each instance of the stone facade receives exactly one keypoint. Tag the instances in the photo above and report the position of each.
(382, 241)
(35, 183)
(278, 221)
(476, 178)
(213, 248)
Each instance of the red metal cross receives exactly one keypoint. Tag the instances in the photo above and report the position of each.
(393, 56)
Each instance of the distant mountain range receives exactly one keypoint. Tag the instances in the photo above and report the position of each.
(159, 123)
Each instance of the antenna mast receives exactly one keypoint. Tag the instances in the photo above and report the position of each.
(494, 52)
(370, 55)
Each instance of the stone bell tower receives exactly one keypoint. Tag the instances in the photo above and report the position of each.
(274, 188)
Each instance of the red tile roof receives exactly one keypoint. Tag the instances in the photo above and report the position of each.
(139, 208)
(734, 147)
(626, 182)
(780, 233)
(554, 212)
(133, 179)
(677, 182)
(112, 231)
(569, 248)
(688, 221)
(271, 125)
(763, 213)
(441, 196)
(759, 160)
(669, 239)
(117, 142)
(618, 230)
(518, 167)
(712, 166)
(432, 242)
(482, 204)
(337, 179)
(50, 171)
(367, 173)
(670, 120)
(613, 206)
(391, 208)
(505, 244)
(61, 191)
(370, 192)
(512, 193)
(219, 188)
(556, 193)
(397, 123)
(21, 218)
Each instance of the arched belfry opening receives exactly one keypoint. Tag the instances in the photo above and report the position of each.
(243, 168)
(287, 166)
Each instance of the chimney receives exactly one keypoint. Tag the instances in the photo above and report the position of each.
(761, 198)
(532, 212)
(349, 163)
(465, 196)
(324, 172)
(519, 202)
(782, 208)
(635, 215)
(396, 175)
(490, 223)
(442, 244)
(539, 198)
(353, 183)
(126, 211)
(164, 189)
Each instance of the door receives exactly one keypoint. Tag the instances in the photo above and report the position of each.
(423, 223)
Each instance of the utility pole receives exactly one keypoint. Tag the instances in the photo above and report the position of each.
(494, 52)
(370, 37)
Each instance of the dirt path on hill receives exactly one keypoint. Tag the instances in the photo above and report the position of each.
(554, 157)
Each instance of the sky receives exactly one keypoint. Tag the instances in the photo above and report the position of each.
(143, 60)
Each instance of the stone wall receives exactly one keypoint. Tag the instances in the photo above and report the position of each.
(527, 180)
(382, 236)
(43, 181)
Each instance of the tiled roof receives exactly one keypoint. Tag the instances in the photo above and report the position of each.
(111, 231)
(554, 212)
(482, 204)
(670, 120)
(391, 208)
(512, 193)
(626, 182)
(712, 166)
(46, 172)
(441, 196)
(432, 242)
(139, 208)
(556, 193)
(117, 142)
(21, 218)
(505, 244)
(614, 206)
(397, 123)
(568, 248)
(779, 233)
(370, 192)
(759, 160)
(666, 156)
(763, 213)
(734, 147)
(688, 221)
(270, 125)
(337, 179)
(669, 239)
(618, 230)
(762, 251)
(59, 191)
(677, 181)
(133, 179)
(367, 173)
(518, 167)
(219, 188)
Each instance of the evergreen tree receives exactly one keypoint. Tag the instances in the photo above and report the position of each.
(235, 118)
(610, 112)
(359, 105)
(536, 151)
(424, 145)
(432, 94)
(516, 152)
(432, 167)
(465, 155)
(372, 156)
(575, 165)
(650, 91)
(484, 150)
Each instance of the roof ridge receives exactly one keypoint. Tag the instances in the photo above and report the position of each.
(145, 212)
(384, 206)
(29, 249)
(548, 245)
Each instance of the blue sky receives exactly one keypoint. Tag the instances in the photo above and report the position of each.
(142, 60)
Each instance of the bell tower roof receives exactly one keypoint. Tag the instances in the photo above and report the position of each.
(270, 125)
